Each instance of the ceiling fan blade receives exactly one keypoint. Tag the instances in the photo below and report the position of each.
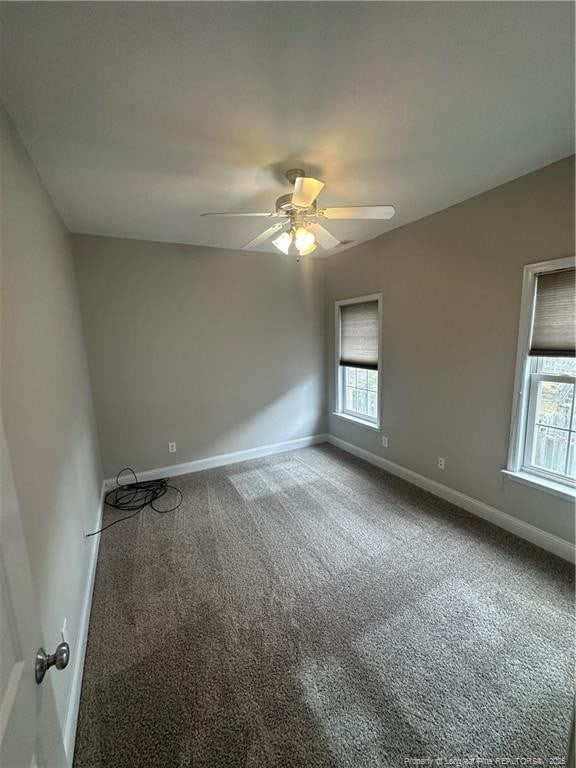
(359, 212)
(274, 215)
(306, 190)
(325, 238)
(264, 236)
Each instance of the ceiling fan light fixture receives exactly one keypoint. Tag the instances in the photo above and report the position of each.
(303, 239)
(299, 216)
(308, 251)
(283, 242)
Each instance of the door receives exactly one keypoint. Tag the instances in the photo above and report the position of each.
(30, 734)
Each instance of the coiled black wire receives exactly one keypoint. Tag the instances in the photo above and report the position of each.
(134, 497)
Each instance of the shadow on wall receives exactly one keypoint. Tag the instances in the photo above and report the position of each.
(216, 350)
(296, 411)
(293, 414)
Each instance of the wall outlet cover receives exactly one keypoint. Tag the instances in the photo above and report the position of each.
(171, 447)
(441, 462)
(384, 442)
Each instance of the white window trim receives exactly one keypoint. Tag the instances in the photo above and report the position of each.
(339, 410)
(514, 469)
(356, 420)
(534, 481)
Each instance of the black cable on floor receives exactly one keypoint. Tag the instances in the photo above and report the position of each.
(134, 497)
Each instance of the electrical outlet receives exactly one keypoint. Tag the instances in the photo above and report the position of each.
(441, 462)
(64, 631)
(384, 442)
(171, 447)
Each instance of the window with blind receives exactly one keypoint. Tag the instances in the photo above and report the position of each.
(545, 428)
(358, 350)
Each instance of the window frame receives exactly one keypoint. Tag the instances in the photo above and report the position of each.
(522, 404)
(339, 370)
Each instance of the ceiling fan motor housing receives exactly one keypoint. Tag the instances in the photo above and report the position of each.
(293, 174)
(284, 205)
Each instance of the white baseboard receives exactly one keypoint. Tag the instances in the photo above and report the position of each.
(221, 460)
(92, 545)
(524, 530)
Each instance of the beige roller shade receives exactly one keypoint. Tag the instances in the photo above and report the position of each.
(554, 315)
(359, 335)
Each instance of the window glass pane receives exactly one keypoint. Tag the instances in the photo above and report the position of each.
(554, 404)
(363, 401)
(372, 404)
(360, 394)
(350, 398)
(549, 449)
(562, 365)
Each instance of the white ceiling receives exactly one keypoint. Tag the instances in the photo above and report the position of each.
(139, 116)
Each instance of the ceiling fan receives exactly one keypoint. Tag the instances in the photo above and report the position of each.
(298, 230)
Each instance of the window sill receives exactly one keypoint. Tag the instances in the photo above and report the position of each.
(355, 420)
(558, 489)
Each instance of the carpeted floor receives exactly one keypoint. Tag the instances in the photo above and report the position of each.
(309, 610)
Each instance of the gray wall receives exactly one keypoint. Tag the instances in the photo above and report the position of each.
(217, 350)
(45, 397)
(451, 286)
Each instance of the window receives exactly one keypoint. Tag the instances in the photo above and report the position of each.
(357, 359)
(543, 444)
(360, 392)
(551, 428)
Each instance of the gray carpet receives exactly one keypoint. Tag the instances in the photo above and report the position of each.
(310, 610)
